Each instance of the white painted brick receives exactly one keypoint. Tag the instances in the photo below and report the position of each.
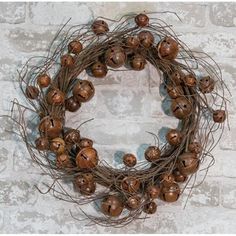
(30, 40)
(220, 44)
(125, 105)
(229, 163)
(45, 13)
(21, 159)
(17, 192)
(8, 69)
(223, 14)
(10, 91)
(203, 195)
(229, 193)
(12, 12)
(228, 141)
(137, 132)
(192, 14)
(107, 131)
(4, 157)
(206, 220)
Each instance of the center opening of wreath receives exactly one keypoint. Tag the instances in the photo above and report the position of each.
(127, 105)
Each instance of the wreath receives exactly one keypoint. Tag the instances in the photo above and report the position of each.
(192, 80)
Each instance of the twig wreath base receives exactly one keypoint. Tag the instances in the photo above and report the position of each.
(197, 94)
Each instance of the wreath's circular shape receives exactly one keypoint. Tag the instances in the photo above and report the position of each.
(193, 84)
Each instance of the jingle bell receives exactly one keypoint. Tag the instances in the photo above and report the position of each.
(75, 47)
(112, 206)
(133, 202)
(153, 191)
(72, 136)
(100, 27)
(142, 20)
(42, 144)
(179, 177)
(206, 84)
(168, 48)
(43, 80)
(85, 142)
(50, 127)
(181, 108)
(152, 153)
(63, 161)
(170, 193)
(72, 105)
(150, 208)
(130, 184)
(174, 137)
(138, 62)
(132, 42)
(32, 92)
(55, 97)
(195, 147)
(188, 163)
(83, 91)
(57, 146)
(67, 61)
(99, 70)
(115, 57)
(219, 116)
(146, 39)
(87, 158)
(129, 160)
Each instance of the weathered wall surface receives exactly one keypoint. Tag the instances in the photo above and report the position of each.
(125, 106)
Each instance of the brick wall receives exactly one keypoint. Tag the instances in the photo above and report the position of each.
(124, 107)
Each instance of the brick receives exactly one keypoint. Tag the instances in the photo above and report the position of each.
(228, 193)
(8, 69)
(206, 194)
(92, 109)
(228, 70)
(31, 221)
(228, 163)
(21, 158)
(27, 40)
(136, 131)
(6, 128)
(59, 13)
(8, 95)
(4, 156)
(153, 78)
(216, 169)
(206, 220)
(118, 78)
(1, 219)
(126, 104)
(113, 156)
(223, 14)
(107, 131)
(40, 220)
(123, 103)
(13, 13)
(227, 67)
(16, 192)
(228, 141)
(190, 13)
(111, 79)
(165, 222)
(221, 44)
(133, 102)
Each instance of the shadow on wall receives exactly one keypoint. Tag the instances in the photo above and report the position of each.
(166, 108)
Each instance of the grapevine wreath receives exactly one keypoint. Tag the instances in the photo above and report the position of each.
(193, 82)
